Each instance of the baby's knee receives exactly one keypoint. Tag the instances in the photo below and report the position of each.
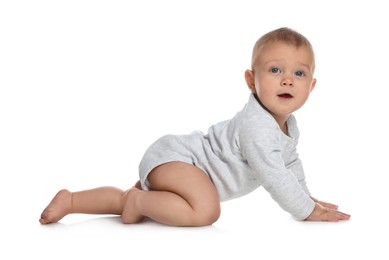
(206, 217)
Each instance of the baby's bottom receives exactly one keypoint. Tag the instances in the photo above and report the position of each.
(181, 195)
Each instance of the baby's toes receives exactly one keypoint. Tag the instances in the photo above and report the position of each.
(45, 219)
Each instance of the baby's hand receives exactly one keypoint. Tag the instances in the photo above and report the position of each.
(321, 213)
(325, 204)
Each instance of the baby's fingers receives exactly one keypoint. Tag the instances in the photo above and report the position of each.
(334, 216)
(328, 205)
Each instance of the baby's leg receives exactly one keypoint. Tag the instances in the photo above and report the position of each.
(182, 195)
(104, 200)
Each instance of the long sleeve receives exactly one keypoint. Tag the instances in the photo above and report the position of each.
(261, 146)
(297, 169)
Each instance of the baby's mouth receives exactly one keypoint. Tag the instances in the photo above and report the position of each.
(285, 95)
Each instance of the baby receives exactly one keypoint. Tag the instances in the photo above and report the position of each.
(183, 178)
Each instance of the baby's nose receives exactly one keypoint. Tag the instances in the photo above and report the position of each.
(287, 82)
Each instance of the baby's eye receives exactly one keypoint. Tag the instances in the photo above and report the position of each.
(299, 73)
(275, 70)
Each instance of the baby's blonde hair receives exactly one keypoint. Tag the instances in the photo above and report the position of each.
(284, 35)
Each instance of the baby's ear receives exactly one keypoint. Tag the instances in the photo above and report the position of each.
(313, 85)
(249, 77)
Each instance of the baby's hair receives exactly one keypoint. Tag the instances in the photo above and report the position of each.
(284, 35)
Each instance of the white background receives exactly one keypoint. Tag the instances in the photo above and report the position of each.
(86, 86)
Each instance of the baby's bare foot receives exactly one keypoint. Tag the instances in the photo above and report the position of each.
(129, 214)
(59, 207)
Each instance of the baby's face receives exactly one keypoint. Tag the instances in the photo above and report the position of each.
(283, 78)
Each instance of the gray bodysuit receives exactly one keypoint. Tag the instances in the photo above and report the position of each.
(239, 155)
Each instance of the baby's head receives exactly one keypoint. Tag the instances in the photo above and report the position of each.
(281, 75)
(281, 35)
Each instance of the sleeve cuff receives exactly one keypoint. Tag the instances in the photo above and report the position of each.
(308, 209)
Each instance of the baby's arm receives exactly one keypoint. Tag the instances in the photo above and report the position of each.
(263, 152)
(322, 213)
(265, 158)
